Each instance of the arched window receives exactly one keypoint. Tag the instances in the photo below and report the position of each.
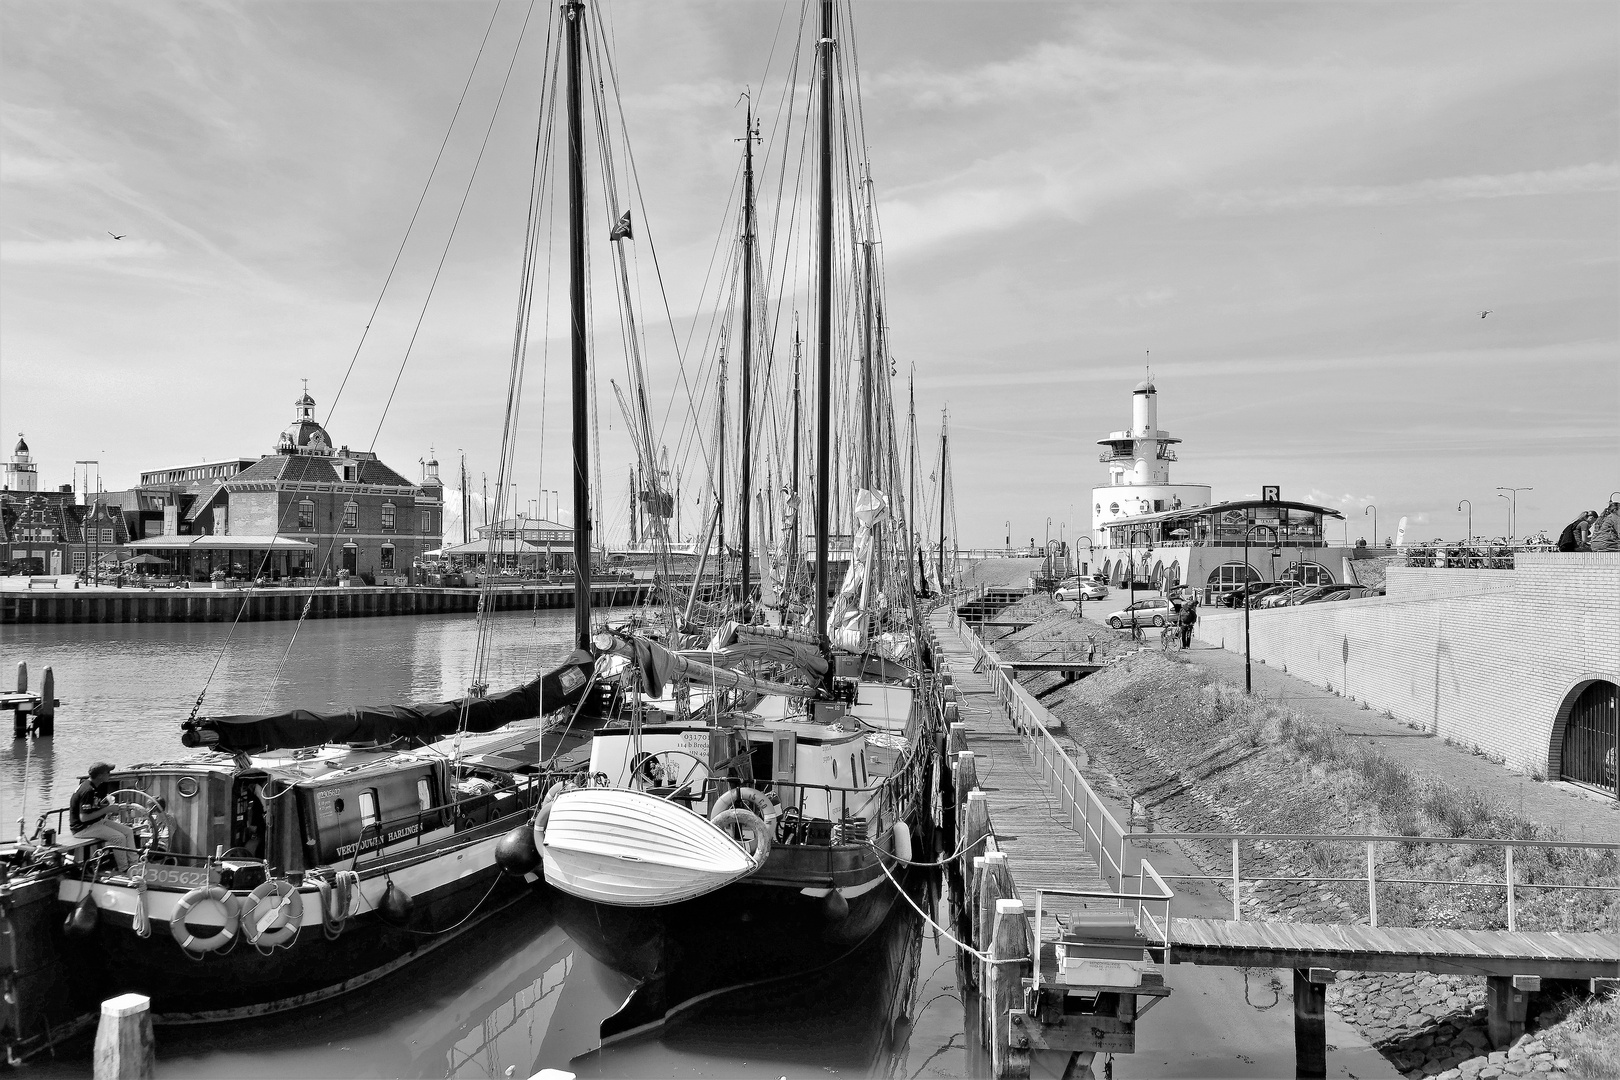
(1232, 574)
(1158, 575)
(1592, 737)
(1173, 575)
(1308, 573)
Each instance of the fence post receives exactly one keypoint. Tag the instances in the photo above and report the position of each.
(1009, 953)
(1510, 898)
(1237, 885)
(1372, 886)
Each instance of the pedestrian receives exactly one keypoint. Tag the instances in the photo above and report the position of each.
(87, 816)
(1574, 536)
(1189, 616)
(1605, 535)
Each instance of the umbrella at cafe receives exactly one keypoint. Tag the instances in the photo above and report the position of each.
(148, 560)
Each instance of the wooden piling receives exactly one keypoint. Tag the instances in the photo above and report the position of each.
(967, 779)
(1310, 1022)
(1507, 999)
(1010, 956)
(124, 1046)
(955, 741)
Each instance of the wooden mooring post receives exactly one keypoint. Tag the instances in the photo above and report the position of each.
(1004, 994)
(1310, 1021)
(124, 1046)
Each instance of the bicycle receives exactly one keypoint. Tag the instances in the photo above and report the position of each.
(1170, 634)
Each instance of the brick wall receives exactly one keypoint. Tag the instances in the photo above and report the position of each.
(1487, 658)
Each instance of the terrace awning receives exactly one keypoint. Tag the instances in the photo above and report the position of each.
(219, 543)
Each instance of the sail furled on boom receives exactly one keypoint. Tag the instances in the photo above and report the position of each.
(850, 617)
(661, 666)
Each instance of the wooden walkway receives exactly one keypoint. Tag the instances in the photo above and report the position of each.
(1042, 851)
(1350, 947)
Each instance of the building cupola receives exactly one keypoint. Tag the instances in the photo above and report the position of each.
(305, 435)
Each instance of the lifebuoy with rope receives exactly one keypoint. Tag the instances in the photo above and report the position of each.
(753, 799)
(230, 908)
(758, 845)
(272, 914)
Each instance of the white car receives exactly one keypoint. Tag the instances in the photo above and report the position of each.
(1155, 612)
(1084, 590)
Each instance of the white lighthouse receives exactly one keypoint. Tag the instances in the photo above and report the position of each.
(1138, 461)
(21, 473)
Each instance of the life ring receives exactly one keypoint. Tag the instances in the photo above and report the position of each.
(753, 799)
(759, 845)
(273, 914)
(228, 904)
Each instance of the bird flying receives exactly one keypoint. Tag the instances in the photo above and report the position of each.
(1483, 314)
(117, 236)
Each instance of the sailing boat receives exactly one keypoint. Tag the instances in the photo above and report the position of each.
(755, 810)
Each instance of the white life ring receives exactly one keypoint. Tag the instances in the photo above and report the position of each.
(749, 797)
(229, 906)
(758, 845)
(272, 914)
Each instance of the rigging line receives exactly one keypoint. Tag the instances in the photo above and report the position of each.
(414, 213)
(443, 255)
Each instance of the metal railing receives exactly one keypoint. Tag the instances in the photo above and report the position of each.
(1156, 928)
(1509, 883)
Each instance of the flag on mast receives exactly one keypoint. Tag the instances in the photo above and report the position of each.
(621, 231)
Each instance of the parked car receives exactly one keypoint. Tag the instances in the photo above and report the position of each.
(1258, 591)
(1083, 589)
(1154, 612)
(1283, 597)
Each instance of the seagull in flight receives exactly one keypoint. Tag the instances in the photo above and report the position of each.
(117, 236)
(1483, 314)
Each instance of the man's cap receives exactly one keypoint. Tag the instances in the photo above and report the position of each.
(101, 766)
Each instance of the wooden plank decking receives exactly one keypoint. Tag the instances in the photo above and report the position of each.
(1347, 947)
(1042, 851)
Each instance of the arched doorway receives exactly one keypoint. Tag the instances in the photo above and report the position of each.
(1591, 744)
(1158, 575)
(1173, 577)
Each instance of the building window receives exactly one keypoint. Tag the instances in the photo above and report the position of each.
(388, 556)
(1113, 508)
(106, 536)
(78, 561)
(388, 517)
(306, 515)
(351, 515)
(1232, 574)
(349, 472)
(427, 522)
(1308, 573)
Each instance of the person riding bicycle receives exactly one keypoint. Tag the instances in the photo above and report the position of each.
(1189, 616)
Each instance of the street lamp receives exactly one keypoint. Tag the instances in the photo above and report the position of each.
(1049, 554)
(1499, 495)
(1009, 537)
(1079, 590)
(1373, 510)
(1276, 550)
(1470, 517)
(1130, 551)
(1513, 511)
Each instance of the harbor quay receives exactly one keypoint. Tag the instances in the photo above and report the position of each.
(110, 605)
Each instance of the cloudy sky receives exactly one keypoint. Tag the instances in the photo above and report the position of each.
(1295, 211)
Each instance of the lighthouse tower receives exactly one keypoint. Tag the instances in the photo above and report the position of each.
(1138, 461)
(21, 473)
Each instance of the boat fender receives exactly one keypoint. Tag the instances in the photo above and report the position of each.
(749, 797)
(759, 843)
(272, 914)
(83, 918)
(834, 908)
(902, 841)
(229, 906)
(396, 906)
(518, 853)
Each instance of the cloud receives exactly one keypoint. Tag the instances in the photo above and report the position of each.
(78, 252)
(1573, 180)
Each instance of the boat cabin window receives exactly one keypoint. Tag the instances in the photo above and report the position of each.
(835, 767)
(368, 808)
(424, 794)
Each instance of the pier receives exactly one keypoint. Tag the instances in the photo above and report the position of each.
(273, 603)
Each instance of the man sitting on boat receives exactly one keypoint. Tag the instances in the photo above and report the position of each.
(87, 816)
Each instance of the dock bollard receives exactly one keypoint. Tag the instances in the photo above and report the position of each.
(124, 1046)
(45, 712)
(967, 780)
(19, 720)
(1009, 1044)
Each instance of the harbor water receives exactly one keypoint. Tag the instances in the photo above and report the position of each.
(511, 996)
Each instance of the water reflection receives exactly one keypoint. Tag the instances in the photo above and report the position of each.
(513, 995)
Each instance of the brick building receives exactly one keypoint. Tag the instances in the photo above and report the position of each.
(50, 532)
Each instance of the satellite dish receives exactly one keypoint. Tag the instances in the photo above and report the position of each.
(1400, 533)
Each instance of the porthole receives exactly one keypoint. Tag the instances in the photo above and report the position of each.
(337, 806)
(1113, 508)
(187, 787)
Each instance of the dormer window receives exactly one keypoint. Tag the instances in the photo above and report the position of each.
(351, 473)
(351, 515)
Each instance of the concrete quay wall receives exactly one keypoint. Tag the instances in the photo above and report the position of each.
(258, 605)
(1491, 659)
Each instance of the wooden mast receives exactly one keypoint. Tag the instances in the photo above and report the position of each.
(824, 337)
(574, 20)
(746, 495)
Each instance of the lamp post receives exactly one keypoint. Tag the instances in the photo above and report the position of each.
(1513, 508)
(1248, 678)
(1470, 517)
(1079, 589)
(1130, 551)
(1373, 510)
(1009, 538)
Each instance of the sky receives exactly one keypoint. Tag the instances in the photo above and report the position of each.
(1295, 213)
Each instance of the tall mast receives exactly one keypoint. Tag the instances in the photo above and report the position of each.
(720, 471)
(944, 442)
(574, 20)
(911, 477)
(824, 336)
(868, 473)
(746, 495)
